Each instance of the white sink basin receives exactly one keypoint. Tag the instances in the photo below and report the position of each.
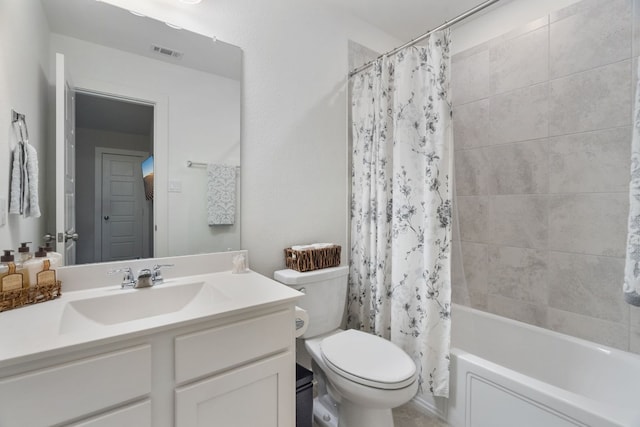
(120, 306)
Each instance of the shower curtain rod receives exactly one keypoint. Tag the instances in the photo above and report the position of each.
(447, 24)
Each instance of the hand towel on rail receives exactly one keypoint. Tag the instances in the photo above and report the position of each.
(32, 202)
(16, 194)
(221, 194)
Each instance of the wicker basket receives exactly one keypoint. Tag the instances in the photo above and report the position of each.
(31, 295)
(312, 259)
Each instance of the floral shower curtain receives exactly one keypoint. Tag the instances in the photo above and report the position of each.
(631, 284)
(399, 279)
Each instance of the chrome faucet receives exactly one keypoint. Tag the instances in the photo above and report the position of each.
(146, 277)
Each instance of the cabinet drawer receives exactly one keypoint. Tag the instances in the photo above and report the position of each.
(206, 352)
(59, 393)
(138, 415)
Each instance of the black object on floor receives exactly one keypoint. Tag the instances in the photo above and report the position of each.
(304, 397)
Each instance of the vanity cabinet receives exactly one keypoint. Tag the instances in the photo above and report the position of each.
(249, 370)
(73, 389)
(235, 371)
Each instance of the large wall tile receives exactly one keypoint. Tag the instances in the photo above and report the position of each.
(590, 162)
(519, 115)
(518, 274)
(589, 328)
(519, 221)
(470, 77)
(634, 341)
(520, 168)
(587, 285)
(532, 314)
(595, 99)
(471, 172)
(519, 62)
(594, 35)
(473, 216)
(471, 125)
(634, 336)
(476, 268)
(589, 223)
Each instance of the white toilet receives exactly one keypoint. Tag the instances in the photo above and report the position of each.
(360, 376)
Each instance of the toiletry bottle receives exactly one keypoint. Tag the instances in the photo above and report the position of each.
(4, 264)
(15, 277)
(36, 265)
(24, 252)
(46, 276)
(54, 257)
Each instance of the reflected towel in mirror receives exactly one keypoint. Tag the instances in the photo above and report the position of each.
(221, 194)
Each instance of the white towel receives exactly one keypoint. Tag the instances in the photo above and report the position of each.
(312, 246)
(23, 198)
(32, 203)
(221, 194)
(16, 195)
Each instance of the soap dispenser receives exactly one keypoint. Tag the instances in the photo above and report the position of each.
(54, 257)
(13, 278)
(37, 265)
(24, 252)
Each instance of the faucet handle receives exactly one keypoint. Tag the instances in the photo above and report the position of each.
(127, 279)
(156, 274)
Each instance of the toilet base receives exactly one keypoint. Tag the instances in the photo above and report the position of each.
(325, 412)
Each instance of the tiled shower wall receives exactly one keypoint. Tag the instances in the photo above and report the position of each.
(542, 128)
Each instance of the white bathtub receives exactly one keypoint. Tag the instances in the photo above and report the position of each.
(506, 373)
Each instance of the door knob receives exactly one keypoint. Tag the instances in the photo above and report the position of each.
(71, 236)
(106, 217)
(48, 238)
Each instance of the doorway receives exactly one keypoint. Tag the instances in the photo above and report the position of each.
(113, 216)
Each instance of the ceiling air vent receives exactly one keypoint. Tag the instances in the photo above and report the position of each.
(166, 51)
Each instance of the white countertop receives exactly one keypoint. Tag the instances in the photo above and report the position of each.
(37, 331)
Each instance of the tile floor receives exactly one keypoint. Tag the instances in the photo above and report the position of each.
(409, 416)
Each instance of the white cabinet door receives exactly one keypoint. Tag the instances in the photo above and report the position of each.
(260, 394)
(138, 415)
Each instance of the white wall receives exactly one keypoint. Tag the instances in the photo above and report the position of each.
(501, 18)
(294, 141)
(204, 126)
(23, 87)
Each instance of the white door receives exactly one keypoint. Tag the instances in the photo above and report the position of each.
(123, 207)
(65, 155)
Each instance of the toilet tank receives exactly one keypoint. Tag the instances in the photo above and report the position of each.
(325, 296)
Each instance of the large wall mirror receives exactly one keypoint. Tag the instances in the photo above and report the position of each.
(137, 104)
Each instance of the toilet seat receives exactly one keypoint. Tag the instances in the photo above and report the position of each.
(368, 360)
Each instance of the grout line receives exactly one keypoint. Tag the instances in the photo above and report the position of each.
(541, 249)
(502, 144)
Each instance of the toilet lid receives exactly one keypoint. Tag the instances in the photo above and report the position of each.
(368, 360)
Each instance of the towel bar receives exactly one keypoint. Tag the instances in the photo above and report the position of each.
(200, 164)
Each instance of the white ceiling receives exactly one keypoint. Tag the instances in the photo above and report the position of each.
(101, 23)
(404, 19)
